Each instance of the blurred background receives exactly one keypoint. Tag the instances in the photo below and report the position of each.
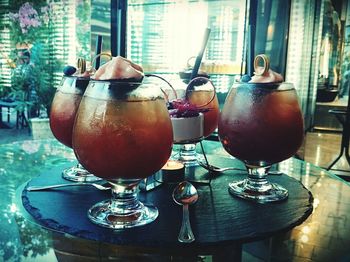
(307, 42)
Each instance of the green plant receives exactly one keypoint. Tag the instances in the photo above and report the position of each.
(83, 11)
(33, 79)
(43, 75)
(28, 20)
(34, 67)
(21, 83)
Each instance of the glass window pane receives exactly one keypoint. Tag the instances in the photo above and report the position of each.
(164, 35)
(42, 44)
(272, 32)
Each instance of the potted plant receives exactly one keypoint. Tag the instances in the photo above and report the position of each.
(32, 86)
(33, 75)
(43, 92)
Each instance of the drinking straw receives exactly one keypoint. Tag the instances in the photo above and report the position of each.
(98, 51)
(250, 51)
(245, 37)
(251, 37)
(200, 54)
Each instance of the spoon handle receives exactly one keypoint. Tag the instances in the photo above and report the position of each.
(37, 188)
(186, 234)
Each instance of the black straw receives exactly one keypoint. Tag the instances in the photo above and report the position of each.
(251, 48)
(251, 36)
(98, 51)
(200, 54)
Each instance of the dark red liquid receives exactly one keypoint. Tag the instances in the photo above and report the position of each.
(62, 116)
(64, 108)
(261, 125)
(122, 139)
(212, 116)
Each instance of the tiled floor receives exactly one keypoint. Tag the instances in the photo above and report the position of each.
(322, 148)
(319, 149)
(11, 134)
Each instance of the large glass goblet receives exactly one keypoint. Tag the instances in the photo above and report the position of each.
(62, 115)
(122, 134)
(201, 93)
(261, 124)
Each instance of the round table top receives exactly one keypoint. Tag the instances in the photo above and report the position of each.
(217, 218)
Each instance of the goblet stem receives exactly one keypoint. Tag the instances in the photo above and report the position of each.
(124, 197)
(123, 210)
(257, 188)
(78, 173)
(188, 155)
(257, 178)
(188, 150)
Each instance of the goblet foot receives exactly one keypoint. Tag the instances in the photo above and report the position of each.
(102, 214)
(269, 192)
(123, 210)
(79, 174)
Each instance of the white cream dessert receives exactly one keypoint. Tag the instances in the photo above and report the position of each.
(187, 129)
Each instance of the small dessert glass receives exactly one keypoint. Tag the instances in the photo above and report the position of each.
(201, 93)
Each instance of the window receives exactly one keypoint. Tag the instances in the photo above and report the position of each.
(164, 35)
(303, 47)
(5, 71)
(65, 37)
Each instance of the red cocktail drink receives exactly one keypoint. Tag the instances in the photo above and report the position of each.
(62, 116)
(261, 124)
(123, 134)
(64, 107)
(122, 139)
(258, 124)
(211, 117)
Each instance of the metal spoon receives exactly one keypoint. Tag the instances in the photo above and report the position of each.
(37, 188)
(185, 194)
(218, 169)
(223, 169)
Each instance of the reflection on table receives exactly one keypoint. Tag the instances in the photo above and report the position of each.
(323, 236)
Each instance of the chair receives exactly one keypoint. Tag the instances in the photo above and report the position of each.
(21, 119)
(343, 117)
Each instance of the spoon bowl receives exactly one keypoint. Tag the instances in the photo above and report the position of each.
(185, 194)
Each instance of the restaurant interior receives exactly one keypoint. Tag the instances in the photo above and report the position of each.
(106, 153)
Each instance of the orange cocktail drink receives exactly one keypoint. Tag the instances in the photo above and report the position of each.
(122, 138)
(64, 108)
(62, 116)
(123, 134)
(211, 117)
(261, 124)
